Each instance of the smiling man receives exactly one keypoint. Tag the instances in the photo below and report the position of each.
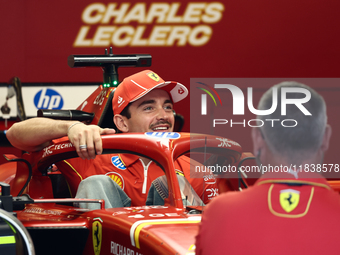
(144, 95)
(143, 102)
(145, 120)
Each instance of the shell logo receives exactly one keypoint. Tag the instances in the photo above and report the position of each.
(117, 178)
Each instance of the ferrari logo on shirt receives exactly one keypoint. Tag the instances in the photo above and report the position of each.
(97, 235)
(289, 199)
(153, 76)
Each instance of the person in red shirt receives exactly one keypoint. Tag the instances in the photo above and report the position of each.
(143, 102)
(291, 209)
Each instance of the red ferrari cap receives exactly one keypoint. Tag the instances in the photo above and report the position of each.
(138, 85)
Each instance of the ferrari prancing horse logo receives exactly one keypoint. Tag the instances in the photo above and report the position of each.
(97, 235)
(153, 76)
(289, 199)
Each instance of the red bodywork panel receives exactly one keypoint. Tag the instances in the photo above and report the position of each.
(167, 229)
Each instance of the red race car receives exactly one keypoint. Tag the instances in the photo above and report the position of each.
(47, 220)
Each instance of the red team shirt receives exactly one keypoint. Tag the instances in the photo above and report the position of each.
(275, 216)
(130, 173)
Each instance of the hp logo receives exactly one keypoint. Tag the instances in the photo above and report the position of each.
(48, 99)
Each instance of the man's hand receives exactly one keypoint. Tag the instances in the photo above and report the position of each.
(86, 139)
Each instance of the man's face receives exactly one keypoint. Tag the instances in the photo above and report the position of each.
(152, 113)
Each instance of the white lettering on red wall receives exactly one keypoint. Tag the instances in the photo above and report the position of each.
(141, 24)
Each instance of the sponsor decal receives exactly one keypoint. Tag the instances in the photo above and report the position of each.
(42, 211)
(97, 235)
(120, 213)
(136, 210)
(289, 199)
(209, 179)
(153, 215)
(116, 177)
(226, 142)
(118, 249)
(213, 192)
(118, 163)
(63, 146)
(153, 76)
(48, 150)
(145, 25)
(169, 135)
(48, 99)
(180, 91)
(145, 207)
(100, 98)
(120, 99)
